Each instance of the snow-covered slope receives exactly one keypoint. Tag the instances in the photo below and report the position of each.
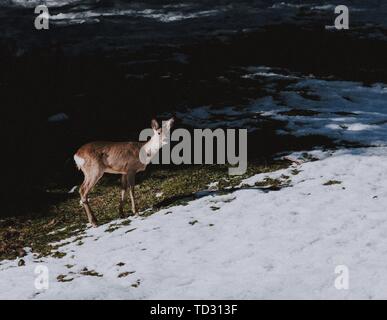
(246, 244)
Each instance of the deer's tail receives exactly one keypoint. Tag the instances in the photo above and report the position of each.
(79, 161)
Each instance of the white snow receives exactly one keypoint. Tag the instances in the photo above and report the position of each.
(262, 71)
(72, 190)
(330, 7)
(280, 5)
(159, 15)
(34, 3)
(252, 243)
(213, 185)
(59, 117)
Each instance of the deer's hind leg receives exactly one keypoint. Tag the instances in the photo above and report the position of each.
(91, 178)
(124, 187)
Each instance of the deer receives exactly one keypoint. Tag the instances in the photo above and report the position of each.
(125, 158)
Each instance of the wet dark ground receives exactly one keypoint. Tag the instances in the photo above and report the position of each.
(112, 94)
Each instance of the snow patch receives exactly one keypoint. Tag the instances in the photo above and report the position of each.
(59, 117)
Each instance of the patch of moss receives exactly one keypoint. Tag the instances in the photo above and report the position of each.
(381, 122)
(299, 112)
(270, 182)
(125, 274)
(58, 254)
(331, 182)
(91, 273)
(347, 98)
(112, 228)
(136, 284)
(345, 113)
(309, 95)
(308, 157)
(295, 171)
(63, 278)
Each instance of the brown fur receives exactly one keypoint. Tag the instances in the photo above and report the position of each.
(114, 157)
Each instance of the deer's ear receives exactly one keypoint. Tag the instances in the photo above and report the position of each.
(155, 124)
(169, 123)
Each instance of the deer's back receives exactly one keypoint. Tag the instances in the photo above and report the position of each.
(112, 157)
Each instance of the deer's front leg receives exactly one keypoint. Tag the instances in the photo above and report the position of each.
(131, 192)
(124, 187)
(131, 183)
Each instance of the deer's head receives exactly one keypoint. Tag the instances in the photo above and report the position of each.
(161, 134)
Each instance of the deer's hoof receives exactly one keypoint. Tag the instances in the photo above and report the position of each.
(123, 215)
(94, 223)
